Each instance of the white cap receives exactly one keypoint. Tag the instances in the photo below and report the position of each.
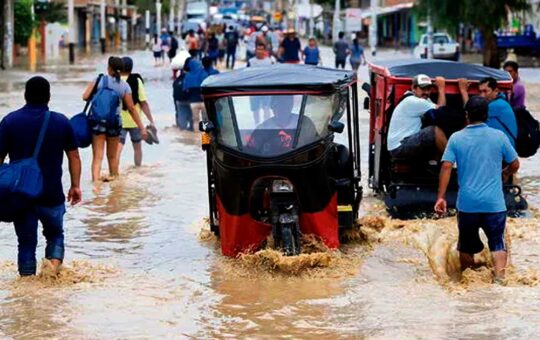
(422, 80)
(264, 28)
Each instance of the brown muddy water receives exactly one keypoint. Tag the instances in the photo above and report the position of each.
(140, 262)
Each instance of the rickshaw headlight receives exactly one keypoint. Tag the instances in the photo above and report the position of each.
(282, 185)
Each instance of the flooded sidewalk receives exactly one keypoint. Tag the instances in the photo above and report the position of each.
(136, 266)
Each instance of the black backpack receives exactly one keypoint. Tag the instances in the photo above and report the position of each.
(528, 136)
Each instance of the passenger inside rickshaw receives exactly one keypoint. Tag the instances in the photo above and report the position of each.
(419, 129)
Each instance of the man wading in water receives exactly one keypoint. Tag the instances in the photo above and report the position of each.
(479, 152)
(19, 132)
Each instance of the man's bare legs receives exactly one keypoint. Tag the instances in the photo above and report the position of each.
(500, 259)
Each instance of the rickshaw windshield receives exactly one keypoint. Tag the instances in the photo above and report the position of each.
(272, 125)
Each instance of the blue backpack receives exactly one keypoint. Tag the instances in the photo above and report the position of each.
(21, 181)
(81, 124)
(105, 106)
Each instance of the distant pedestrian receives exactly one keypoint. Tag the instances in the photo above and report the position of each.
(192, 43)
(258, 103)
(517, 99)
(129, 127)
(173, 46)
(479, 153)
(213, 48)
(196, 74)
(157, 50)
(105, 120)
(231, 41)
(357, 53)
(165, 43)
(341, 50)
(19, 132)
(291, 49)
(203, 43)
(261, 57)
(220, 36)
(311, 53)
(208, 65)
(182, 104)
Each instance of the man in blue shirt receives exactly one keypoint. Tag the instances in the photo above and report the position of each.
(479, 152)
(19, 131)
(500, 114)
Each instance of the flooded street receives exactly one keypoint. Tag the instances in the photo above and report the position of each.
(137, 267)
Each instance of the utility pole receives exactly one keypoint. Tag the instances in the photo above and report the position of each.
(71, 31)
(311, 20)
(429, 36)
(172, 4)
(124, 25)
(336, 26)
(179, 16)
(32, 57)
(373, 28)
(147, 27)
(158, 17)
(9, 19)
(102, 26)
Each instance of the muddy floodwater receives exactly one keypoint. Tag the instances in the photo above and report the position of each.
(140, 262)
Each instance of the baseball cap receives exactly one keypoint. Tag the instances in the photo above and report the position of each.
(422, 80)
(264, 28)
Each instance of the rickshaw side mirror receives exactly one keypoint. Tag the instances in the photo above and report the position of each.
(366, 103)
(206, 126)
(366, 87)
(336, 127)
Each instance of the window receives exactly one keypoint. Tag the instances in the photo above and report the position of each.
(271, 125)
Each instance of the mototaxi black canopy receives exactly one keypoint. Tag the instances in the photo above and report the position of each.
(276, 78)
(408, 68)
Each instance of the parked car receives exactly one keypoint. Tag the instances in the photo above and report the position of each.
(443, 47)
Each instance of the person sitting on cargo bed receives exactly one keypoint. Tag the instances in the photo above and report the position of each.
(406, 138)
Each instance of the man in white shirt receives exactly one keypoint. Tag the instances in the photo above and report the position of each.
(406, 138)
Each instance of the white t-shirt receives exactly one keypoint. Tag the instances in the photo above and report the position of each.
(407, 119)
(253, 62)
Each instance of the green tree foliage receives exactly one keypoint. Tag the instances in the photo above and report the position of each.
(486, 15)
(51, 11)
(24, 23)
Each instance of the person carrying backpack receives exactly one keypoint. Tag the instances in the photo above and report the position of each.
(138, 94)
(108, 93)
(19, 139)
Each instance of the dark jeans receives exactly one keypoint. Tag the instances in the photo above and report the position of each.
(231, 54)
(52, 219)
(184, 116)
(341, 63)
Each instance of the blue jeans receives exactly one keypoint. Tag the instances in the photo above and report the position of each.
(184, 116)
(52, 219)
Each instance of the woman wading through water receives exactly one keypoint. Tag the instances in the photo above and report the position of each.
(105, 121)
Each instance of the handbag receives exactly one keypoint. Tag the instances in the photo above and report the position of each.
(80, 123)
(21, 181)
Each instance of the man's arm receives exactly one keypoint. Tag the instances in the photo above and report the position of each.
(444, 179)
(74, 193)
(440, 83)
(128, 100)
(510, 170)
(463, 88)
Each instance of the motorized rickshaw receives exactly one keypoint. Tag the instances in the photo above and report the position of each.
(275, 166)
(409, 186)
